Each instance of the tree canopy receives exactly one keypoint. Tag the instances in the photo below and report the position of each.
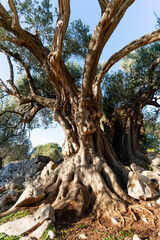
(52, 150)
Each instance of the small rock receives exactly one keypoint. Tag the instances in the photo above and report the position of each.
(128, 238)
(156, 161)
(4, 208)
(140, 186)
(149, 204)
(158, 234)
(47, 170)
(51, 235)
(17, 183)
(30, 195)
(82, 236)
(145, 220)
(158, 201)
(136, 237)
(134, 167)
(39, 231)
(152, 175)
(116, 220)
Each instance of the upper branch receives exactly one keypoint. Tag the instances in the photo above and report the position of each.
(5, 19)
(103, 4)
(106, 26)
(146, 39)
(15, 18)
(11, 80)
(62, 24)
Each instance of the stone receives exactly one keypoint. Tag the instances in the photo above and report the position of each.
(4, 208)
(3, 189)
(158, 201)
(156, 161)
(134, 167)
(116, 220)
(47, 170)
(149, 204)
(30, 222)
(17, 183)
(51, 235)
(82, 236)
(30, 195)
(136, 237)
(24, 169)
(40, 230)
(140, 187)
(145, 220)
(152, 175)
(9, 197)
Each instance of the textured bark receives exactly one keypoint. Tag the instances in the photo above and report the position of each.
(125, 129)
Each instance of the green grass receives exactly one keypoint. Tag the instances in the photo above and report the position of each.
(45, 234)
(122, 235)
(3, 237)
(81, 226)
(13, 216)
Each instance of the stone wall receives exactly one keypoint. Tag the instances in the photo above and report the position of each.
(28, 169)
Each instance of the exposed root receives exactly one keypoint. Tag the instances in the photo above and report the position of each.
(140, 209)
(75, 185)
(130, 220)
(137, 207)
(133, 214)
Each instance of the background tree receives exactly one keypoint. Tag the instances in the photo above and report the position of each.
(151, 141)
(91, 175)
(126, 93)
(52, 150)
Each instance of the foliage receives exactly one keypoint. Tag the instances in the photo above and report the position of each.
(124, 234)
(3, 237)
(76, 40)
(152, 135)
(123, 87)
(52, 150)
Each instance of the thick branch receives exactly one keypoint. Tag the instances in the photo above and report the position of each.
(106, 26)
(5, 19)
(28, 117)
(103, 4)
(154, 64)
(153, 103)
(62, 24)
(6, 89)
(146, 39)
(15, 18)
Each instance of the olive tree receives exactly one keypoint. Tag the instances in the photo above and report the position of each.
(91, 175)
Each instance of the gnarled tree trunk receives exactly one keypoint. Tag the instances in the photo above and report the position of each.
(90, 177)
(125, 129)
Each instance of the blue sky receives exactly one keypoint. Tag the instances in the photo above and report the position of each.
(138, 20)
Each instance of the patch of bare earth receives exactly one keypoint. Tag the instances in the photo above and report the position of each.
(69, 226)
